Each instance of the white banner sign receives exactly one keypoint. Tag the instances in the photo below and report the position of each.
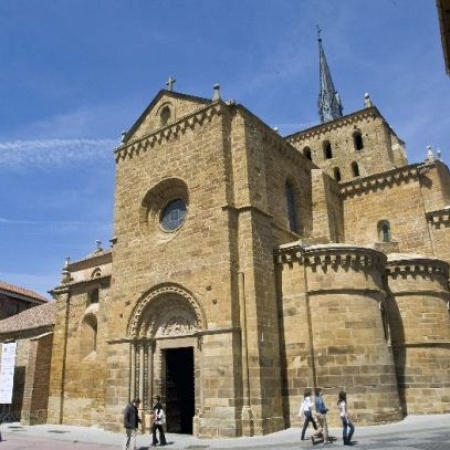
(7, 363)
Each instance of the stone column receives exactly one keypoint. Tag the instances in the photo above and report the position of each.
(420, 323)
(133, 356)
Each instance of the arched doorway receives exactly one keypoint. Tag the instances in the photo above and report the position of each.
(166, 328)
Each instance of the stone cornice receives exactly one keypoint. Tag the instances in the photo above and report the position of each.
(334, 255)
(328, 127)
(169, 132)
(379, 181)
(417, 266)
(439, 217)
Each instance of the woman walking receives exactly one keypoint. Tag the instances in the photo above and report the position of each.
(347, 427)
(306, 412)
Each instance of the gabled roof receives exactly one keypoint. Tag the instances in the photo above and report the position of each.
(161, 93)
(36, 317)
(21, 293)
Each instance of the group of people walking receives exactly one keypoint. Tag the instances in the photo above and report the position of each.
(131, 423)
(306, 412)
(132, 419)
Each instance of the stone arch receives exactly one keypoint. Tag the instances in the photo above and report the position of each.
(358, 142)
(307, 152)
(88, 338)
(156, 200)
(166, 113)
(166, 310)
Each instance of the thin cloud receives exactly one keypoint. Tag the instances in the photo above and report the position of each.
(21, 154)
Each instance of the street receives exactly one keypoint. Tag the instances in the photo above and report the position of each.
(414, 433)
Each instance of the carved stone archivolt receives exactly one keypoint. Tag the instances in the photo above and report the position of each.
(167, 310)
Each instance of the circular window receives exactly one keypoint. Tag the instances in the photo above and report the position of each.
(173, 215)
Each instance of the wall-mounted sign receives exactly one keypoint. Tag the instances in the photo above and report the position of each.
(7, 363)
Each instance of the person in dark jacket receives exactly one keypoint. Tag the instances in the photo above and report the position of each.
(131, 423)
(159, 419)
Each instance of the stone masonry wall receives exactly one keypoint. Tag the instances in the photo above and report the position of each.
(395, 197)
(78, 369)
(420, 327)
(36, 389)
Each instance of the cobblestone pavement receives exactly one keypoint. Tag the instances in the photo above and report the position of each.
(413, 433)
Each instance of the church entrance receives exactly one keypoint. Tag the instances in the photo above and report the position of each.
(180, 392)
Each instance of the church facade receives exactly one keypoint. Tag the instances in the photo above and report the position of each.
(246, 266)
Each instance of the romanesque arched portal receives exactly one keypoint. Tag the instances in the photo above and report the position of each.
(165, 330)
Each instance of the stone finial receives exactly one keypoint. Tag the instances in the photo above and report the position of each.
(439, 154)
(123, 134)
(276, 129)
(430, 156)
(170, 82)
(99, 244)
(216, 93)
(65, 274)
(367, 102)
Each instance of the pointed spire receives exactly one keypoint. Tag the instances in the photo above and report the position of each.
(330, 106)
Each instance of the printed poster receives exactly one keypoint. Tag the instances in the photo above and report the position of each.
(7, 365)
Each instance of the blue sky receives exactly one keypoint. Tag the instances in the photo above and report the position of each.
(74, 74)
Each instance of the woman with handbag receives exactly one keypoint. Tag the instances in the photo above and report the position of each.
(159, 420)
(306, 412)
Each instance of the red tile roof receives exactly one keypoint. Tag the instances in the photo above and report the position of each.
(22, 291)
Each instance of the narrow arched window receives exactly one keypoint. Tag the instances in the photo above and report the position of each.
(327, 152)
(384, 231)
(355, 169)
(358, 140)
(165, 115)
(307, 153)
(385, 321)
(89, 335)
(337, 174)
(290, 199)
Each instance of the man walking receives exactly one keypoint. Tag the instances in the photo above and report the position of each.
(131, 422)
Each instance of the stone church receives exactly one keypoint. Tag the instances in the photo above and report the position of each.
(246, 266)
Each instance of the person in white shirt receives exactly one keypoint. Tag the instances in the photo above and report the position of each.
(347, 426)
(306, 412)
(159, 420)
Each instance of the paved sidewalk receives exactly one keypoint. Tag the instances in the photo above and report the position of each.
(290, 438)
